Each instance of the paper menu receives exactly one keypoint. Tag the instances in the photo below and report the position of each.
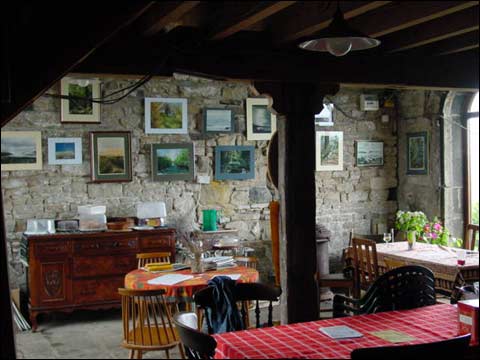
(393, 336)
(169, 279)
(340, 332)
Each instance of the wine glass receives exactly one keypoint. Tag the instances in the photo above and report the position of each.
(387, 237)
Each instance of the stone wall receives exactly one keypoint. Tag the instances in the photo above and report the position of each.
(357, 197)
(56, 191)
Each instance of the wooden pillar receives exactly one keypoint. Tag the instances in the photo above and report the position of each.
(298, 102)
(7, 343)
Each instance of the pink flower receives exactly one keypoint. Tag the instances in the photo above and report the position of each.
(434, 235)
(437, 227)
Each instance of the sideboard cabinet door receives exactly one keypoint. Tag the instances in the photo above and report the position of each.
(53, 281)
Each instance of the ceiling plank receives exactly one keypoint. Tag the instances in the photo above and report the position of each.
(401, 15)
(447, 46)
(310, 17)
(455, 51)
(436, 30)
(258, 13)
(165, 14)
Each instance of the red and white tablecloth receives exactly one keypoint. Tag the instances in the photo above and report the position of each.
(305, 341)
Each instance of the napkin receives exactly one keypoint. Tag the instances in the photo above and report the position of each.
(169, 279)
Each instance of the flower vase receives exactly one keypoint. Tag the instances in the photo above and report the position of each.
(197, 265)
(411, 238)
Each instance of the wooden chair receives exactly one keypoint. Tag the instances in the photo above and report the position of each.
(147, 323)
(471, 235)
(244, 293)
(393, 263)
(365, 264)
(197, 344)
(155, 257)
(455, 348)
(247, 261)
(406, 287)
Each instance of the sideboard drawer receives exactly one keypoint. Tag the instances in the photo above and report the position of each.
(156, 241)
(103, 265)
(51, 249)
(105, 246)
(97, 290)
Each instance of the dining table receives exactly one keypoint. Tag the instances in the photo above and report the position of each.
(441, 260)
(305, 340)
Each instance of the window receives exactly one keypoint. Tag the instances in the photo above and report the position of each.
(473, 161)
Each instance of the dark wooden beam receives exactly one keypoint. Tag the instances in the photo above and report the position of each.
(436, 30)
(309, 17)
(447, 46)
(166, 14)
(36, 65)
(404, 14)
(298, 102)
(251, 16)
(458, 50)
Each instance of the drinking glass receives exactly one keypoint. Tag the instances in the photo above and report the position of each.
(387, 237)
(461, 256)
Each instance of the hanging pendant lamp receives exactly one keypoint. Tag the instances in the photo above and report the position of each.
(339, 38)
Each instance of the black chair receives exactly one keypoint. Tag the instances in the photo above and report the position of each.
(402, 288)
(455, 348)
(198, 345)
(244, 293)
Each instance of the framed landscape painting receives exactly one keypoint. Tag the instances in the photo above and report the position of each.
(261, 123)
(64, 151)
(110, 154)
(329, 146)
(21, 150)
(78, 109)
(166, 116)
(234, 162)
(369, 153)
(417, 153)
(173, 162)
(218, 121)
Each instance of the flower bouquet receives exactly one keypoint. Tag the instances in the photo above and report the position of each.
(412, 223)
(436, 233)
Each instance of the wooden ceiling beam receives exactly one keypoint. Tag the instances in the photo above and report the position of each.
(401, 15)
(436, 30)
(166, 15)
(252, 16)
(448, 46)
(310, 17)
(456, 51)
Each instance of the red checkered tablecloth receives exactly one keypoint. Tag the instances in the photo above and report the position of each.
(305, 341)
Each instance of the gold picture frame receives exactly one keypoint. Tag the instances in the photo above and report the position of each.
(21, 150)
(77, 110)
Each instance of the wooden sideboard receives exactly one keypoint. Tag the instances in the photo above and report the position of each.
(70, 271)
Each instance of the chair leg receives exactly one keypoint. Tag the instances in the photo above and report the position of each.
(132, 354)
(182, 353)
(167, 353)
(139, 354)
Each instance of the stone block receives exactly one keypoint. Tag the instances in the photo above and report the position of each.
(239, 197)
(358, 196)
(260, 195)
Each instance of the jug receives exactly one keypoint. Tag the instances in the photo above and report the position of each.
(209, 220)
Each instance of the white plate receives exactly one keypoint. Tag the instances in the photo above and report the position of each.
(140, 228)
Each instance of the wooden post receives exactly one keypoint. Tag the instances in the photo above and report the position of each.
(299, 102)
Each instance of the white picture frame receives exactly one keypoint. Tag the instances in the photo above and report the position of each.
(260, 126)
(21, 150)
(329, 151)
(174, 122)
(325, 117)
(74, 112)
(65, 151)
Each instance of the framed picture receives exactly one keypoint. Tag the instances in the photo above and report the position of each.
(261, 123)
(64, 151)
(77, 109)
(173, 162)
(369, 153)
(110, 154)
(218, 121)
(166, 116)
(417, 153)
(325, 117)
(329, 146)
(234, 162)
(21, 150)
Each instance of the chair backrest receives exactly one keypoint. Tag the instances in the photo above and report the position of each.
(402, 288)
(393, 263)
(154, 257)
(244, 293)
(447, 349)
(378, 238)
(365, 263)
(147, 320)
(247, 261)
(471, 236)
(197, 345)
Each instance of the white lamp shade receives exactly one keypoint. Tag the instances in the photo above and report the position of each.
(149, 210)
